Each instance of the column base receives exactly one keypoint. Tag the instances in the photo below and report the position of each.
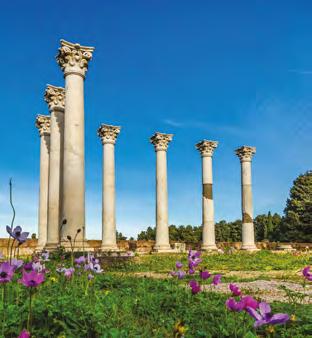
(110, 248)
(51, 246)
(209, 247)
(249, 247)
(162, 248)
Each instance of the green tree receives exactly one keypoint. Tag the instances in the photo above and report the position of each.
(296, 225)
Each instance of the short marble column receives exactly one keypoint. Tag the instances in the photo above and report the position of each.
(73, 60)
(245, 155)
(108, 135)
(43, 125)
(55, 98)
(161, 142)
(206, 149)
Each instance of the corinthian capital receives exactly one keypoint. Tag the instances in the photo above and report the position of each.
(43, 124)
(73, 58)
(245, 153)
(206, 148)
(55, 97)
(161, 141)
(108, 134)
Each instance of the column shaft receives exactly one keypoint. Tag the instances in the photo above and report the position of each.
(43, 190)
(108, 210)
(74, 175)
(162, 230)
(55, 178)
(209, 239)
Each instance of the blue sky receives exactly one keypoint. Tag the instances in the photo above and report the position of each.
(239, 72)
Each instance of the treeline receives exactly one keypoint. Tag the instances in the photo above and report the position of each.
(294, 226)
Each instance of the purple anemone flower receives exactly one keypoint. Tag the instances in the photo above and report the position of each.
(38, 267)
(32, 279)
(194, 254)
(90, 276)
(180, 274)
(6, 272)
(68, 273)
(235, 290)
(195, 286)
(179, 265)
(307, 274)
(233, 305)
(24, 334)
(96, 268)
(80, 260)
(16, 263)
(204, 274)
(248, 301)
(17, 233)
(264, 316)
(45, 256)
(216, 279)
(28, 266)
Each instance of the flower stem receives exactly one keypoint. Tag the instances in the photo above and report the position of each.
(29, 311)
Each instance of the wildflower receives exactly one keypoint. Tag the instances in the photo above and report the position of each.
(233, 305)
(204, 274)
(293, 318)
(16, 263)
(60, 269)
(45, 256)
(179, 265)
(28, 266)
(38, 267)
(90, 276)
(270, 329)
(235, 290)
(306, 273)
(68, 273)
(32, 279)
(179, 329)
(264, 316)
(248, 301)
(195, 286)
(53, 279)
(24, 334)
(96, 268)
(80, 260)
(216, 279)
(17, 234)
(6, 272)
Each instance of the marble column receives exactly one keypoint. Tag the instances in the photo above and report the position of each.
(245, 155)
(73, 60)
(43, 125)
(161, 142)
(206, 149)
(55, 98)
(108, 135)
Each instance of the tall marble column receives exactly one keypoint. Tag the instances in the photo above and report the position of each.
(73, 60)
(43, 125)
(108, 135)
(206, 149)
(55, 98)
(245, 155)
(161, 142)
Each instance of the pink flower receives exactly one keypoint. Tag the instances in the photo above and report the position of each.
(204, 274)
(235, 290)
(179, 265)
(195, 286)
(306, 273)
(233, 305)
(24, 334)
(216, 279)
(6, 272)
(248, 301)
(68, 273)
(32, 279)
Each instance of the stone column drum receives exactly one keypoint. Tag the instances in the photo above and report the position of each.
(108, 135)
(43, 125)
(161, 142)
(55, 98)
(206, 149)
(245, 155)
(73, 60)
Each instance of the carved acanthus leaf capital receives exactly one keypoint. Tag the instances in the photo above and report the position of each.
(161, 141)
(206, 148)
(245, 153)
(55, 97)
(73, 58)
(108, 134)
(43, 124)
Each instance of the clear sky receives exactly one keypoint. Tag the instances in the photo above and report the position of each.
(239, 72)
